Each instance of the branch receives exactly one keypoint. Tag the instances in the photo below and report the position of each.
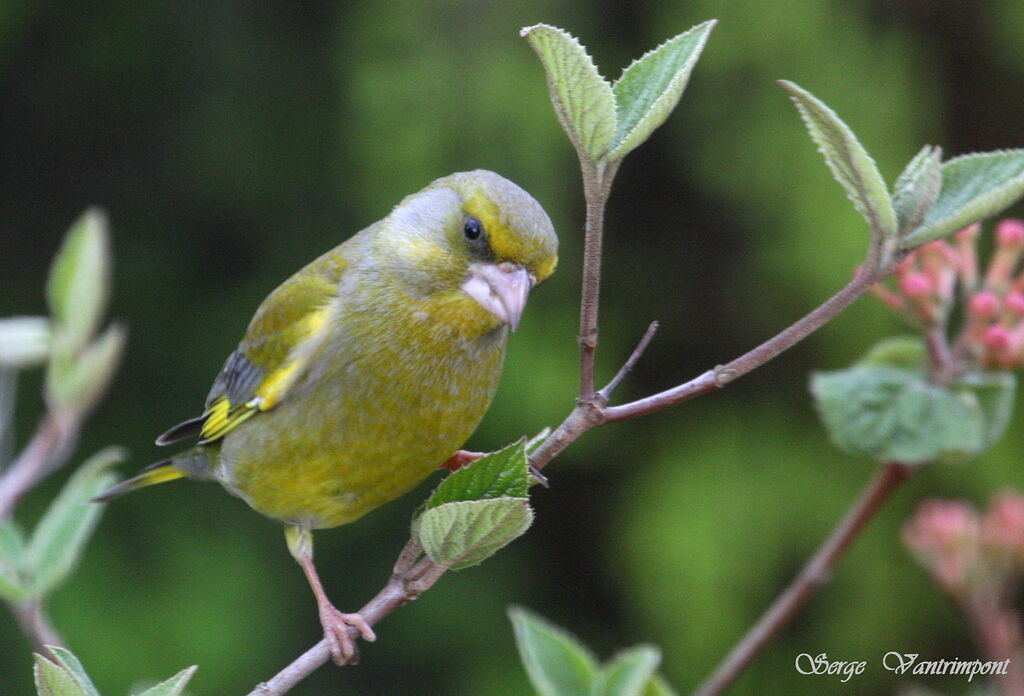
(36, 626)
(597, 183)
(413, 575)
(589, 414)
(723, 375)
(816, 573)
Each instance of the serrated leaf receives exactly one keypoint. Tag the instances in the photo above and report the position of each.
(459, 535)
(583, 100)
(77, 382)
(70, 663)
(907, 352)
(79, 282)
(52, 680)
(974, 187)
(849, 162)
(658, 686)
(917, 188)
(895, 415)
(12, 558)
(61, 535)
(24, 341)
(994, 393)
(629, 672)
(501, 474)
(173, 686)
(556, 663)
(651, 86)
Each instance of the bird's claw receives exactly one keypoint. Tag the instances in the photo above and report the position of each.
(336, 625)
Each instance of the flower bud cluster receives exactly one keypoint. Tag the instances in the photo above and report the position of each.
(979, 561)
(968, 553)
(931, 280)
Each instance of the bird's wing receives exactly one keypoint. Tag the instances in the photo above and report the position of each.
(276, 349)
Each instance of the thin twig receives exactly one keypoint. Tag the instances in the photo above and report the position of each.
(630, 363)
(753, 359)
(815, 573)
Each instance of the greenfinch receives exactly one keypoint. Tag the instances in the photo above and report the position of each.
(369, 368)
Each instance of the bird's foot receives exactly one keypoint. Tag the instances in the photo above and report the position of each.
(336, 625)
(461, 459)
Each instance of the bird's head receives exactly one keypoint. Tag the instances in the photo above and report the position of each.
(475, 233)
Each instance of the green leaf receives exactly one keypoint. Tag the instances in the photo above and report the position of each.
(24, 341)
(173, 686)
(650, 88)
(79, 282)
(583, 100)
(52, 680)
(501, 474)
(60, 537)
(12, 561)
(72, 666)
(895, 415)
(850, 163)
(993, 393)
(657, 686)
(629, 672)
(76, 382)
(917, 188)
(907, 352)
(459, 535)
(974, 187)
(557, 663)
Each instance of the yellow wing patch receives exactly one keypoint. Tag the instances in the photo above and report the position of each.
(222, 416)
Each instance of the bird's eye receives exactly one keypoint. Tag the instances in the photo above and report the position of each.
(473, 229)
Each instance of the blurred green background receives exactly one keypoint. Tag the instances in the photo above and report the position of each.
(231, 142)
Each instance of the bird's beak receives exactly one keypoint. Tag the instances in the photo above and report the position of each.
(501, 289)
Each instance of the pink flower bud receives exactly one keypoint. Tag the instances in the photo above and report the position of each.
(996, 338)
(1003, 525)
(1010, 244)
(916, 284)
(1010, 233)
(1015, 303)
(944, 537)
(984, 304)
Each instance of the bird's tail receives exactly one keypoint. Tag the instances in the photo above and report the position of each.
(192, 463)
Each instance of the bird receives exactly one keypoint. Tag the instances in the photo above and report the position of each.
(369, 368)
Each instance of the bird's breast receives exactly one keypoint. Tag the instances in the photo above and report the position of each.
(390, 395)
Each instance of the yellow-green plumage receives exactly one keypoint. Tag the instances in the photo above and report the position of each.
(368, 368)
(388, 396)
